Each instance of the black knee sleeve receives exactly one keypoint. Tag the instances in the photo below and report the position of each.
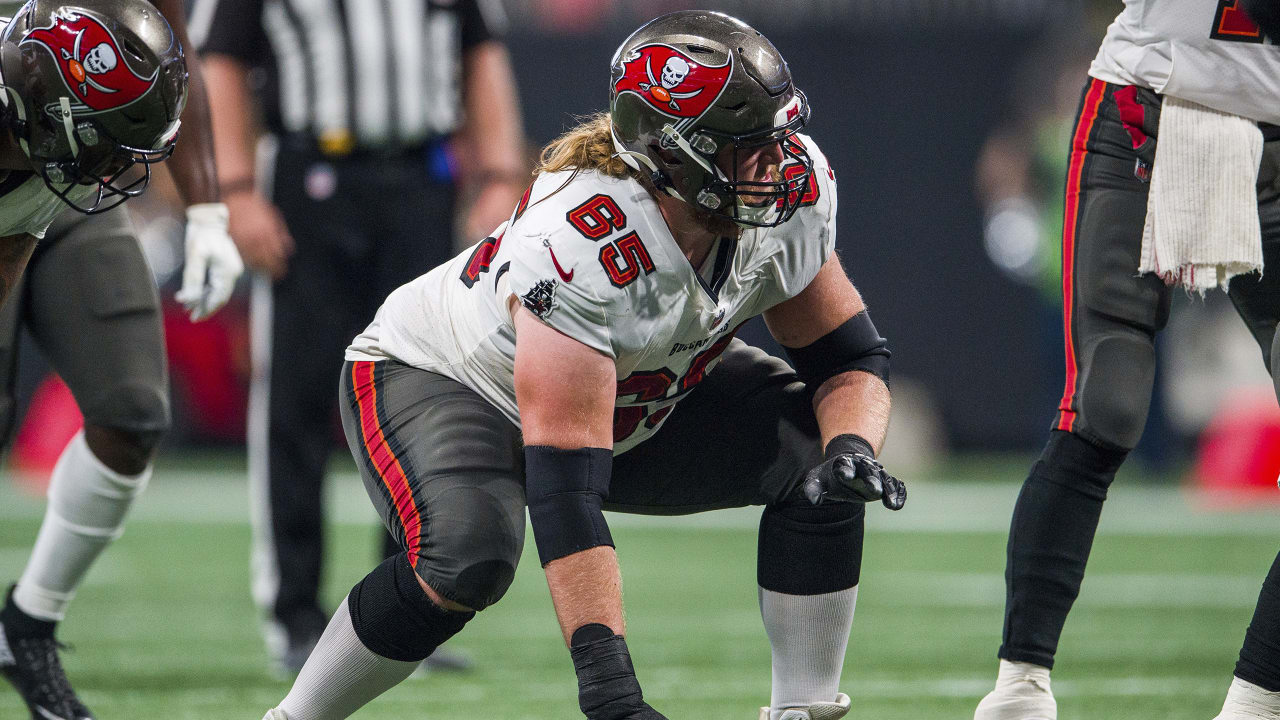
(1260, 655)
(1078, 465)
(810, 550)
(1050, 538)
(393, 616)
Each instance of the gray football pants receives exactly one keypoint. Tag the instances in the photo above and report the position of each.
(88, 299)
(445, 468)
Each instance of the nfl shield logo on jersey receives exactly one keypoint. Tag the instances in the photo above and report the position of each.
(541, 298)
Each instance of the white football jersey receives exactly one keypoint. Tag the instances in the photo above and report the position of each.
(1205, 51)
(592, 257)
(27, 206)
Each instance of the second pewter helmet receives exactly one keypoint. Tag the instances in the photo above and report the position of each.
(92, 88)
(688, 85)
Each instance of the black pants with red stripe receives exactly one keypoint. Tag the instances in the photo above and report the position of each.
(445, 468)
(1111, 316)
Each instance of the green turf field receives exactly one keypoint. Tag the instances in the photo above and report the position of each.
(164, 627)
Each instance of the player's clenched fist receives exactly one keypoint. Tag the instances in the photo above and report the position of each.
(852, 474)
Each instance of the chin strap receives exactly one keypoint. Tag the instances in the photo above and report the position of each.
(670, 134)
(64, 103)
(635, 161)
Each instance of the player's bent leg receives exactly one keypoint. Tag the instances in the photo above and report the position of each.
(94, 311)
(808, 566)
(88, 502)
(377, 637)
(1111, 316)
(442, 466)
(809, 558)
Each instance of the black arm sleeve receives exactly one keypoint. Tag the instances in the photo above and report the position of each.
(566, 490)
(855, 345)
(235, 29)
(481, 20)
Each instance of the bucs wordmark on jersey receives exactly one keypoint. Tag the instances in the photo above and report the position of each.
(592, 257)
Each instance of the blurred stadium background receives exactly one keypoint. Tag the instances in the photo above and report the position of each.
(945, 122)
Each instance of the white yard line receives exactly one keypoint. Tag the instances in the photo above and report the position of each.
(932, 507)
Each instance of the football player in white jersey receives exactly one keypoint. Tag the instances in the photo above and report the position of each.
(582, 358)
(1211, 54)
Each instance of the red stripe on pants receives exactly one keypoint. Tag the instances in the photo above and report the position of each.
(384, 461)
(1071, 219)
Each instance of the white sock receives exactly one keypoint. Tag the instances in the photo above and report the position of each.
(87, 505)
(341, 675)
(1246, 700)
(808, 635)
(1012, 673)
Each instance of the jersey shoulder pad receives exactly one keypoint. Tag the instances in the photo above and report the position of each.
(818, 202)
(798, 248)
(559, 248)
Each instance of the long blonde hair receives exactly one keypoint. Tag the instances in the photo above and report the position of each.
(586, 146)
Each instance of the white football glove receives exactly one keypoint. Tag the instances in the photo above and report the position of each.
(213, 264)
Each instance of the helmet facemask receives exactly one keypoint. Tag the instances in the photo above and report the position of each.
(97, 159)
(750, 202)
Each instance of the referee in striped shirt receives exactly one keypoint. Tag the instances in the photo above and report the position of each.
(375, 111)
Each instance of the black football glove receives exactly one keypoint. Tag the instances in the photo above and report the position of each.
(852, 474)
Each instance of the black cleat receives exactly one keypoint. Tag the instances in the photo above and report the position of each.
(29, 660)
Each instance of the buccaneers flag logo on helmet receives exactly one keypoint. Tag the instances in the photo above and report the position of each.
(92, 65)
(671, 81)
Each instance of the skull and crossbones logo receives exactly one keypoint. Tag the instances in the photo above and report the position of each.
(673, 73)
(100, 59)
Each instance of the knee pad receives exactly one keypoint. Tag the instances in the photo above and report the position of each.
(1116, 391)
(139, 409)
(472, 558)
(810, 550)
(393, 616)
(483, 583)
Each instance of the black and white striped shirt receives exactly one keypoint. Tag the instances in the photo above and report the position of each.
(352, 73)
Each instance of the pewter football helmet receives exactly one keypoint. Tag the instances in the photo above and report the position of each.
(92, 88)
(690, 84)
